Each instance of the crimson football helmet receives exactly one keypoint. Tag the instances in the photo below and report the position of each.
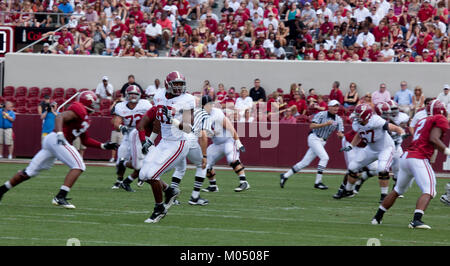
(89, 100)
(363, 113)
(436, 107)
(394, 107)
(383, 109)
(133, 94)
(175, 83)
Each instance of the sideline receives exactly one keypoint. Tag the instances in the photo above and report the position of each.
(218, 167)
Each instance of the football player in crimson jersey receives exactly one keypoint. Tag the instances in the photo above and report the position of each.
(127, 115)
(58, 145)
(175, 113)
(414, 163)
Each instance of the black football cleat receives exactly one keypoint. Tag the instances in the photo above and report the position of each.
(242, 186)
(158, 213)
(170, 195)
(418, 224)
(339, 194)
(126, 187)
(63, 203)
(116, 185)
(198, 201)
(211, 189)
(321, 186)
(282, 180)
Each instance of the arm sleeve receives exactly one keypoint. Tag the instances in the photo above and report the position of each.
(89, 142)
(340, 125)
(386, 126)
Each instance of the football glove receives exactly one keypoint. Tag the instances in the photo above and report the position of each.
(405, 136)
(110, 146)
(61, 140)
(168, 114)
(346, 149)
(146, 145)
(123, 129)
(239, 146)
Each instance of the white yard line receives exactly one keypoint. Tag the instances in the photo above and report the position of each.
(248, 168)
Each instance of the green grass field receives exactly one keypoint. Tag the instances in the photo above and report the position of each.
(264, 215)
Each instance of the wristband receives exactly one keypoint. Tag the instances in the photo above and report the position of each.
(59, 133)
(153, 137)
(447, 151)
(102, 146)
(204, 156)
(176, 123)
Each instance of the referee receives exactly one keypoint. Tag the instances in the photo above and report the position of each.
(322, 125)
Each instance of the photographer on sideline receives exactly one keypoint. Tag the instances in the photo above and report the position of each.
(6, 132)
(48, 119)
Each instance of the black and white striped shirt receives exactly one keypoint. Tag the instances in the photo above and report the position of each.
(323, 117)
(202, 121)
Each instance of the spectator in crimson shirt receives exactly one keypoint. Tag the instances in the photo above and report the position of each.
(425, 12)
(298, 103)
(137, 13)
(230, 99)
(222, 45)
(211, 23)
(421, 43)
(221, 93)
(336, 93)
(327, 27)
(119, 28)
(381, 31)
(257, 50)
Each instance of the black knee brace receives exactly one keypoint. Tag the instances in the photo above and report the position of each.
(352, 174)
(383, 176)
(236, 164)
(210, 173)
(365, 169)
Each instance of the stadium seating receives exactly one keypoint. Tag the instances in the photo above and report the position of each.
(20, 102)
(8, 93)
(105, 104)
(21, 91)
(33, 92)
(84, 89)
(46, 91)
(58, 93)
(21, 109)
(70, 92)
(117, 94)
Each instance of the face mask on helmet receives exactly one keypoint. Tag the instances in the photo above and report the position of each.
(177, 87)
(133, 97)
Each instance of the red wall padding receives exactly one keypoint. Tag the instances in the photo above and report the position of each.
(291, 147)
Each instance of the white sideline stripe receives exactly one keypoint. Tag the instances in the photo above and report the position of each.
(155, 226)
(248, 168)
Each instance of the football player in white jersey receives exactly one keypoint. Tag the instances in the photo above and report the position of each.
(373, 130)
(226, 142)
(127, 115)
(174, 110)
(197, 142)
(399, 119)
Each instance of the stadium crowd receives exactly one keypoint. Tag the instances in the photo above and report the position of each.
(324, 30)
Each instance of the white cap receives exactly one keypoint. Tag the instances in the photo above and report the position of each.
(446, 87)
(425, 51)
(118, 17)
(105, 78)
(333, 103)
(46, 44)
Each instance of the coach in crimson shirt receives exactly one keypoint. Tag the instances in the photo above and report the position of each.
(336, 93)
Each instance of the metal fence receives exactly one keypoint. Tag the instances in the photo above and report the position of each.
(4, 15)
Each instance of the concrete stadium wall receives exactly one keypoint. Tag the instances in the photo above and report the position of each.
(289, 143)
(86, 72)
